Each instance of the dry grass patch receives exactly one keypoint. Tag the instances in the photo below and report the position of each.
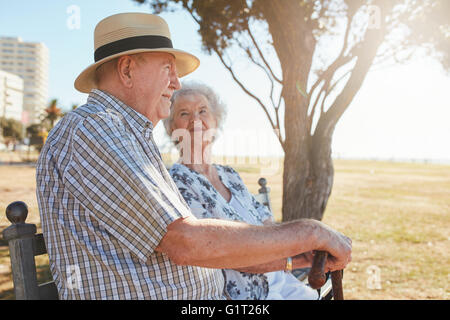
(398, 216)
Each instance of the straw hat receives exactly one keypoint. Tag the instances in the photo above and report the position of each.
(131, 33)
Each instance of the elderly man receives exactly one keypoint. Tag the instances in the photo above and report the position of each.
(115, 224)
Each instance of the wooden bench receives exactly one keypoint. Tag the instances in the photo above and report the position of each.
(25, 244)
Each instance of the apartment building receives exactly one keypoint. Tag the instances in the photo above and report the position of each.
(11, 96)
(30, 61)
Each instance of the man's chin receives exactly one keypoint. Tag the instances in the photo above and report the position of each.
(164, 112)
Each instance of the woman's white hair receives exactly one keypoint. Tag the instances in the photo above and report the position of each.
(218, 108)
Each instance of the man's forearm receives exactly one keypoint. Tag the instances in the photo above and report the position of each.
(224, 244)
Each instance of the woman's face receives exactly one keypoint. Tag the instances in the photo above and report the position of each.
(194, 116)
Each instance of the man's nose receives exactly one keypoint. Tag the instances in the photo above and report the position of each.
(176, 83)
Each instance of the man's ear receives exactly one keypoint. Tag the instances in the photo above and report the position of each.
(124, 65)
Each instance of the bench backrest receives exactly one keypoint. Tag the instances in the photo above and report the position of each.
(24, 245)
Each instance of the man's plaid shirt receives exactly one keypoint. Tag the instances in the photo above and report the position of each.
(105, 200)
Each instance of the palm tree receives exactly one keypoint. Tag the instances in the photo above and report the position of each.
(53, 112)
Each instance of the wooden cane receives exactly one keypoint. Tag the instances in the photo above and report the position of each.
(317, 278)
(336, 282)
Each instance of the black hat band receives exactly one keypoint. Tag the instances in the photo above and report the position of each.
(139, 42)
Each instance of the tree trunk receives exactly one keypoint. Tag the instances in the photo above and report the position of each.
(307, 177)
(297, 162)
(308, 170)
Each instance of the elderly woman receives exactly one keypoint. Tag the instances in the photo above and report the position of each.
(216, 191)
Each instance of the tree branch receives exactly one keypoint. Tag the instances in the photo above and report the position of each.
(342, 58)
(311, 115)
(191, 11)
(262, 56)
(369, 46)
(251, 95)
(252, 59)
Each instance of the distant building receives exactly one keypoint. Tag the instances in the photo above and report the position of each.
(11, 96)
(28, 60)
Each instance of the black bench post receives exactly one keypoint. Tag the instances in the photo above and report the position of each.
(263, 193)
(20, 237)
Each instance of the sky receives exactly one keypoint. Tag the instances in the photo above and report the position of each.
(401, 112)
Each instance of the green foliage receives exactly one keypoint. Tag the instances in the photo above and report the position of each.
(11, 129)
(34, 130)
(35, 134)
(219, 20)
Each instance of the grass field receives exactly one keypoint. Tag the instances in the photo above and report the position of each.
(397, 214)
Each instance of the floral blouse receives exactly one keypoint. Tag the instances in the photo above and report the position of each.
(206, 202)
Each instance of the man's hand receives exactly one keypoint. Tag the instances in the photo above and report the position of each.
(339, 248)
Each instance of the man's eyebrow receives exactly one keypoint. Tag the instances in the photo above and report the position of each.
(169, 61)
